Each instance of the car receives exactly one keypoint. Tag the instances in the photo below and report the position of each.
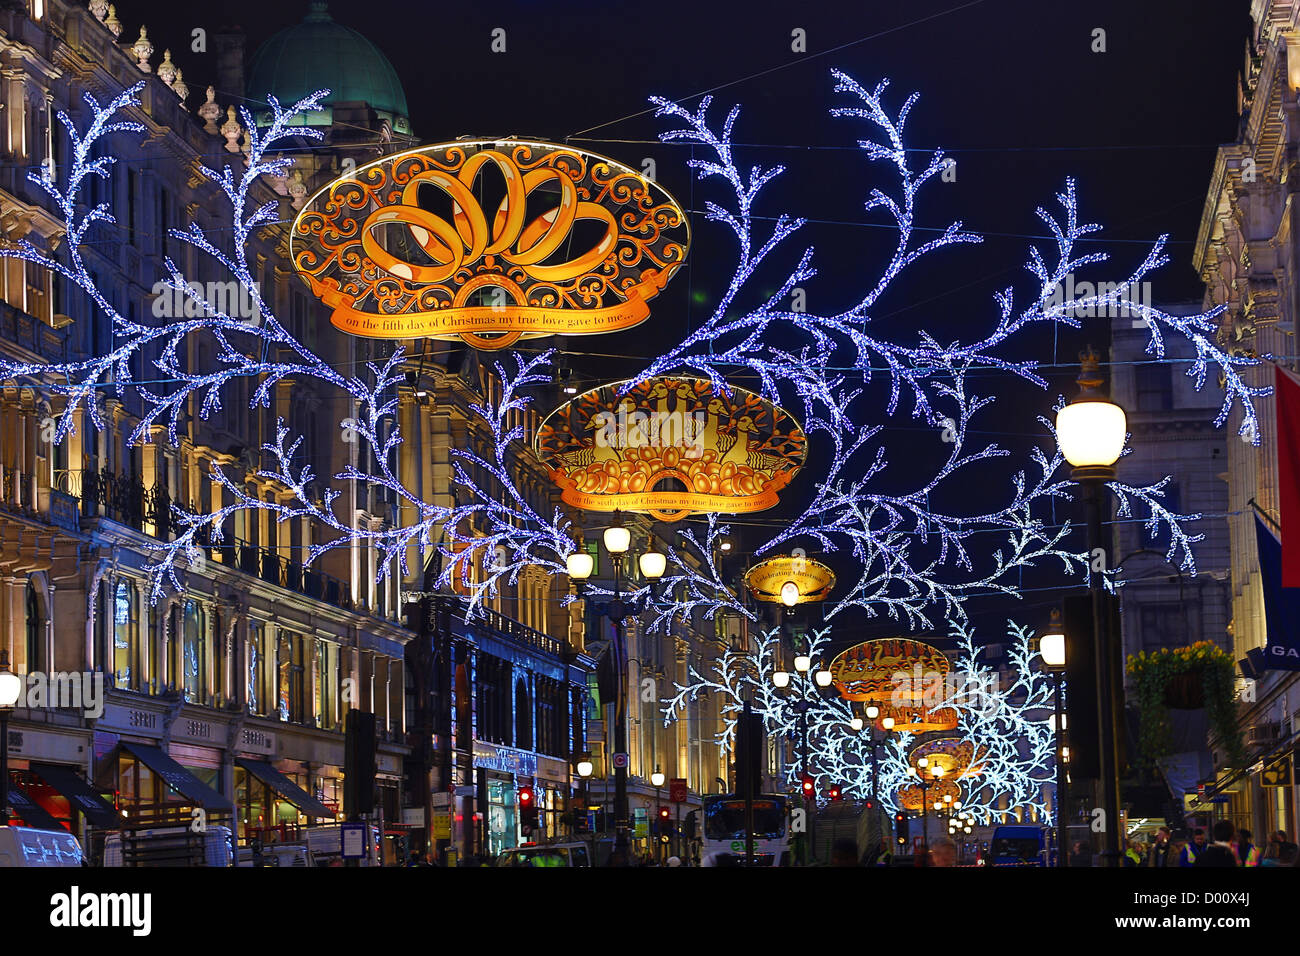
(555, 854)
(1017, 846)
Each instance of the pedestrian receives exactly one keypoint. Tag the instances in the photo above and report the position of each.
(943, 852)
(1159, 855)
(1133, 855)
(1219, 853)
(1279, 854)
(1192, 851)
(674, 861)
(1247, 853)
(1081, 855)
(844, 852)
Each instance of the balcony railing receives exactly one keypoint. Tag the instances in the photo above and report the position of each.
(17, 491)
(273, 569)
(499, 624)
(126, 500)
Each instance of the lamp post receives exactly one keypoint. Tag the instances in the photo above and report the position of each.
(887, 724)
(618, 540)
(1091, 432)
(1051, 648)
(822, 678)
(11, 686)
(584, 767)
(936, 774)
(657, 779)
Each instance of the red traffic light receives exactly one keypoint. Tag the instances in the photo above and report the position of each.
(835, 793)
(525, 796)
(808, 786)
(663, 813)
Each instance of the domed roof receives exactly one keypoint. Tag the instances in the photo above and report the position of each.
(322, 54)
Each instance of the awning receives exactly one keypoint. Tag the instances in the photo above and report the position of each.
(178, 778)
(98, 811)
(29, 811)
(285, 787)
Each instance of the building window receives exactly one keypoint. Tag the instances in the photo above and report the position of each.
(327, 675)
(1155, 390)
(130, 655)
(35, 631)
(292, 673)
(1169, 624)
(193, 664)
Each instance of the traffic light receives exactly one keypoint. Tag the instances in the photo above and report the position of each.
(528, 821)
(664, 825)
(808, 787)
(900, 827)
(835, 793)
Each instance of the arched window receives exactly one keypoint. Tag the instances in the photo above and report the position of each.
(35, 630)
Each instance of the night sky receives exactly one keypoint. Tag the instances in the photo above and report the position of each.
(1010, 88)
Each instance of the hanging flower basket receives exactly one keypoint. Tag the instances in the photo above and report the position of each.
(1185, 678)
(1185, 692)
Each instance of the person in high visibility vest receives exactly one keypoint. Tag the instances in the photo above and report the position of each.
(1246, 851)
(1192, 850)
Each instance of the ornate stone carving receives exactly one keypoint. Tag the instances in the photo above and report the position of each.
(231, 129)
(142, 49)
(209, 111)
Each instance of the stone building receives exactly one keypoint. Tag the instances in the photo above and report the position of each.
(231, 694)
(1246, 253)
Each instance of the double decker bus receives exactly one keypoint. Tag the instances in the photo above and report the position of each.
(724, 830)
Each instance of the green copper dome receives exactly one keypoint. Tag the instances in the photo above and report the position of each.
(322, 54)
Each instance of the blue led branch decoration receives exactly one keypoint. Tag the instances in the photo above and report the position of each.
(1003, 718)
(917, 560)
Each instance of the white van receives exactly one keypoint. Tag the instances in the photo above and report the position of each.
(216, 844)
(26, 846)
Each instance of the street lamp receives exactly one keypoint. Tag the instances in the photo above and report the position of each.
(936, 774)
(821, 678)
(584, 766)
(11, 688)
(657, 780)
(1051, 648)
(618, 540)
(1091, 431)
(873, 714)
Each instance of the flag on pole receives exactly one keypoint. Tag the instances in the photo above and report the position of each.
(1281, 606)
(1286, 393)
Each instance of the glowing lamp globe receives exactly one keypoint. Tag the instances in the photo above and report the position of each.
(781, 678)
(580, 564)
(823, 678)
(653, 564)
(1091, 433)
(585, 767)
(789, 594)
(1052, 647)
(617, 539)
(887, 723)
(802, 663)
(11, 685)
(657, 778)
(856, 723)
(872, 712)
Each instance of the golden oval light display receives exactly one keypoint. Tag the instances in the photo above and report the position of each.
(893, 669)
(489, 241)
(813, 579)
(910, 795)
(671, 446)
(956, 756)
